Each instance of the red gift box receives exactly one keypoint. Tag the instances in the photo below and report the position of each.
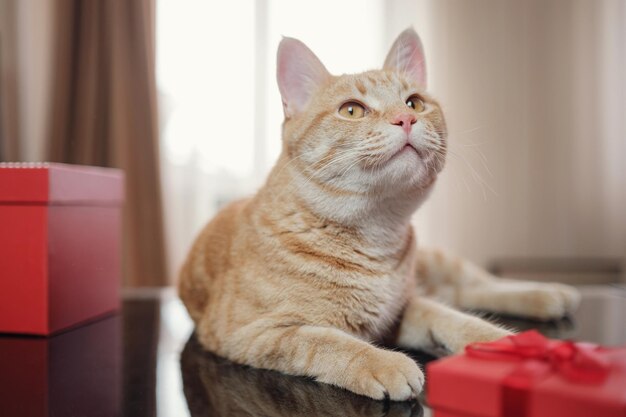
(527, 375)
(60, 232)
(76, 373)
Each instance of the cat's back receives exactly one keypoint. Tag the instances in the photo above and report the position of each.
(209, 258)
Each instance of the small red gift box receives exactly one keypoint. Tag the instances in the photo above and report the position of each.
(60, 232)
(527, 375)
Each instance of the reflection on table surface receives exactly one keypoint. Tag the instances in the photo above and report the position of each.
(216, 387)
(146, 362)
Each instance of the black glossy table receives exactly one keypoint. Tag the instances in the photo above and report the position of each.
(146, 362)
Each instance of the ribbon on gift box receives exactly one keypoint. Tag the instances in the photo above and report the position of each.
(539, 357)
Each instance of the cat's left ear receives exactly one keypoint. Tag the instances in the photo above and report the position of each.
(300, 73)
(407, 56)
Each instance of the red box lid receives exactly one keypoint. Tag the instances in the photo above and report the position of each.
(43, 183)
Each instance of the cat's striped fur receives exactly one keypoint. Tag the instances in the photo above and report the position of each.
(322, 261)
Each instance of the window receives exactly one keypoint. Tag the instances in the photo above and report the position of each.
(220, 109)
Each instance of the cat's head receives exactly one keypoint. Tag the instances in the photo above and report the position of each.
(373, 132)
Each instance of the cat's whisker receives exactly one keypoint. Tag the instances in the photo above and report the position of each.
(467, 187)
(333, 157)
(456, 180)
(483, 161)
(342, 156)
(361, 158)
(470, 130)
(292, 160)
(473, 144)
(310, 153)
(442, 149)
(475, 175)
(482, 156)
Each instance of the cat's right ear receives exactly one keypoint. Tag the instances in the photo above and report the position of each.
(300, 73)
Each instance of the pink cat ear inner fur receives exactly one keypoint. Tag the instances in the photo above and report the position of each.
(407, 56)
(299, 73)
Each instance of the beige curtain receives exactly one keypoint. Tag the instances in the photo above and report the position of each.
(104, 113)
(9, 127)
(535, 95)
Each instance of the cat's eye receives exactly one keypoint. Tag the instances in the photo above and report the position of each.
(352, 110)
(416, 103)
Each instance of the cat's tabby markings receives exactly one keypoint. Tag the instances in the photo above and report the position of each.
(322, 261)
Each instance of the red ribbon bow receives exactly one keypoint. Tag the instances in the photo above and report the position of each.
(578, 362)
(539, 358)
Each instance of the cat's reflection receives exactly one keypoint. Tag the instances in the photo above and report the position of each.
(216, 387)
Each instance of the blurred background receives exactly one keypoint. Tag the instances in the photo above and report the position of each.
(181, 94)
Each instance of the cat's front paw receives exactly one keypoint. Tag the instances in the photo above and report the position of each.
(551, 301)
(381, 374)
(571, 297)
(474, 330)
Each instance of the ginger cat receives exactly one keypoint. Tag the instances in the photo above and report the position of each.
(322, 261)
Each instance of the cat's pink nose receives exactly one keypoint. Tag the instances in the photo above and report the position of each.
(404, 120)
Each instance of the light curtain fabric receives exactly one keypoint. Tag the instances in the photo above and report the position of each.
(104, 113)
(221, 111)
(9, 126)
(535, 97)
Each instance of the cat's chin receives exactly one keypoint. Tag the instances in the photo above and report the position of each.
(411, 163)
(410, 155)
(407, 150)
(406, 175)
